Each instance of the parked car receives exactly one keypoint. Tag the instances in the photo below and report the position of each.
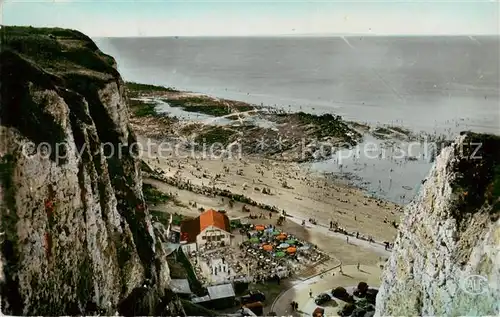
(342, 294)
(322, 298)
(253, 296)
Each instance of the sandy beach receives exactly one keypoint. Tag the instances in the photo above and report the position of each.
(307, 196)
(347, 224)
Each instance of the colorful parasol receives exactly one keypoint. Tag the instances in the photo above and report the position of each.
(280, 254)
(281, 236)
(267, 247)
(291, 250)
(260, 228)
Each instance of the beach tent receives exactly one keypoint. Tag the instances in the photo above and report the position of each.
(283, 245)
(267, 247)
(280, 254)
(291, 250)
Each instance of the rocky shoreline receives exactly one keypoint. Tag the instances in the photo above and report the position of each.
(157, 112)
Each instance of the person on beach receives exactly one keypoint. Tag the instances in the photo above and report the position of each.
(310, 293)
(358, 266)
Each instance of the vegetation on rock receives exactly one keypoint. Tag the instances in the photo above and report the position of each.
(135, 89)
(215, 134)
(477, 180)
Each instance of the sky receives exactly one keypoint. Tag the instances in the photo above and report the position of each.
(106, 18)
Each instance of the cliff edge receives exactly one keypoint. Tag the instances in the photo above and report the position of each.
(446, 258)
(76, 233)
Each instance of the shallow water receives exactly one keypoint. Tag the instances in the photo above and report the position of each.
(382, 170)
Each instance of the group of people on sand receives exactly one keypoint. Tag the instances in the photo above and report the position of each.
(334, 226)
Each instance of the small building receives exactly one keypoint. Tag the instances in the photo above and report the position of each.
(219, 297)
(180, 286)
(211, 227)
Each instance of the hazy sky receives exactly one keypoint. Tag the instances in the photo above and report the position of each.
(257, 17)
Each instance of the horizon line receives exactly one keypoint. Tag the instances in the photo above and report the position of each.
(307, 35)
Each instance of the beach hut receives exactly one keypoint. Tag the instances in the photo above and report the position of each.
(267, 247)
(291, 250)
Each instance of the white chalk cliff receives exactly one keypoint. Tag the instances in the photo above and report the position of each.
(446, 258)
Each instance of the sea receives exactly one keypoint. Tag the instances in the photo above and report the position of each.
(437, 84)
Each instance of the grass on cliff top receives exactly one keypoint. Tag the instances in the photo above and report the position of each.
(59, 50)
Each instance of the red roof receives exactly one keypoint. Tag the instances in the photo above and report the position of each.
(191, 228)
(214, 218)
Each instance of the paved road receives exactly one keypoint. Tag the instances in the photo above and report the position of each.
(323, 284)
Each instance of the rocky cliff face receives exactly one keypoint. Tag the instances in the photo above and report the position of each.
(77, 237)
(446, 258)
